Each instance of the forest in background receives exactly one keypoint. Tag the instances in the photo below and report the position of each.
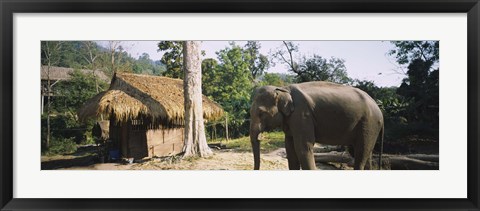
(410, 110)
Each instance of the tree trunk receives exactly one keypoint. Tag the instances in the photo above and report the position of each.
(49, 52)
(194, 138)
(49, 92)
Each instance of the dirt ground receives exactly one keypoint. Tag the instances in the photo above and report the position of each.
(224, 159)
(233, 159)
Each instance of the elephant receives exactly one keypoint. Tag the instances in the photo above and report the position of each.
(322, 112)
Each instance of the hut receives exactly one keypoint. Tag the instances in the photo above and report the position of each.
(56, 74)
(146, 114)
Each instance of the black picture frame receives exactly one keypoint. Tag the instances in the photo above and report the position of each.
(9, 7)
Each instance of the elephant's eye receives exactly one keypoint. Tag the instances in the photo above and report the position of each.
(261, 114)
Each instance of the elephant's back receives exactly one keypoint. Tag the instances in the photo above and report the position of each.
(329, 88)
(337, 107)
(333, 93)
(327, 97)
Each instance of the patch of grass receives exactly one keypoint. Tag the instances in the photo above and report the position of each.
(269, 141)
(62, 146)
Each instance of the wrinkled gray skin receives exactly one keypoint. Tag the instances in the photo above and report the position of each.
(322, 112)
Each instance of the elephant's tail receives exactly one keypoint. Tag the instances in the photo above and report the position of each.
(381, 135)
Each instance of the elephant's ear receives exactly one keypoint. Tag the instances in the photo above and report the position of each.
(284, 101)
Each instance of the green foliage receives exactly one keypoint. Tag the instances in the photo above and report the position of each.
(64, 126)
(172, 58)
(318, 68)
(61, 146)
(70, 96)
(258, 63)
(90, 55)
(272, 79)
(401, 130)
(377, 93)
(392, 105)
(235, 87)
(229, 83)
(421, 89)
(415, 112)
(51, 52)
(210, 77)
(315, 68)
(124, 62)
(75, 92)
(63, 54)
(407, 51)
(145, 65)
(276, 79)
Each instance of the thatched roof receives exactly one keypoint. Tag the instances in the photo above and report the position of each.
(63, 73)
(154, 99)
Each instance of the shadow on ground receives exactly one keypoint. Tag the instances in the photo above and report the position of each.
(84, 156)
(68, 163)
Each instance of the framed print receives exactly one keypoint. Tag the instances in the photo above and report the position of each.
(110, 130)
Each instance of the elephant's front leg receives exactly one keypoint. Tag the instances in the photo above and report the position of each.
(303, 132)
(293, 163)
(304, 150)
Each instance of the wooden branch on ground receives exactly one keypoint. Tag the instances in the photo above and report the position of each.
(406, 163)
(395, 162)
(431, 158)
(332, 157)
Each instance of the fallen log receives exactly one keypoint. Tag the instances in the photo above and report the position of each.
(406, 163)
(332, 157)
(423, 157)
(327, 148)
(393, 162)
(431, 158)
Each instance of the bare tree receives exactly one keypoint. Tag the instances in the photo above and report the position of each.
(90, 56)
(116, 54)
(195, 139)
(113, 46)
(286, 56)
(50, 50)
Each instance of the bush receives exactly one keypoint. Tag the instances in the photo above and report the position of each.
(61, 146)
(67, 127)
(397, 131)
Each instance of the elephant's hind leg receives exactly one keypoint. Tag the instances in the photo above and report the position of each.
(368, 164)
(363, 153)
(364, 143)
(359, 161)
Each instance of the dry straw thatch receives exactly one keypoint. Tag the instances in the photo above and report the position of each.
(154, 99)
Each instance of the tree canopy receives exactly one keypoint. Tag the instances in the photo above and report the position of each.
(172, 58)
(311, 68)
(407, 51)
(258, 63)
(232, 85)
(318, 68)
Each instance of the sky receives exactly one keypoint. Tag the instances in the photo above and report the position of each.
(364, 60)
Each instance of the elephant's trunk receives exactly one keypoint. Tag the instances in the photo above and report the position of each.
(256, 148)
